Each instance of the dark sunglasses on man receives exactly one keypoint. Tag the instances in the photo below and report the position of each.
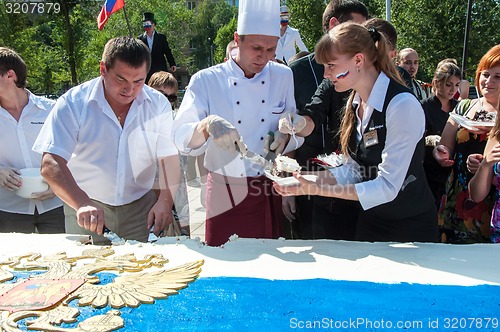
(171, 98)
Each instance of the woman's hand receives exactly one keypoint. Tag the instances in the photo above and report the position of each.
(442, 155)
(492, 157)
(479, 130)
(473, 162)
(304, 187)
(10, 178)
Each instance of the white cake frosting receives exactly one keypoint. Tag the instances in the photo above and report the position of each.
(286, 164)
(242, 274)
(422, 263)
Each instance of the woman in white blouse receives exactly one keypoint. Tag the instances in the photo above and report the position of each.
(381, 132)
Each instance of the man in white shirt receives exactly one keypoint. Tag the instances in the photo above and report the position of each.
(240, 100)
(100, 146)
(289, 38)
(22, 115)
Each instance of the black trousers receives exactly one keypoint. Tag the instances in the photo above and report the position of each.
(50, 222)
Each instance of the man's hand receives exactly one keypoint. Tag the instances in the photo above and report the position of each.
(43, 195)
(160, 216)
(91, 217)
(289, 207)
(291, 123)
(224, 135)
(9, 178)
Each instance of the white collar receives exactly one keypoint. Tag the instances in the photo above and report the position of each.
(239, 73)
(97, 94)
(37, 101)
(377, 95)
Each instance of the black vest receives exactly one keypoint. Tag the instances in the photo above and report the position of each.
(411, 216)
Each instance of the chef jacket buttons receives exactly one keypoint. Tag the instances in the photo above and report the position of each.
(263, 82)
(235, 83)
(263, 101)
(239, 121)
(262, 120)
(258, 173)
(262, 138)
(237, 103)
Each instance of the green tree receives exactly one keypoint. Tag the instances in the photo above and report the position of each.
(173, 18)
(63, 49)
(210, 16)
(224, 35)
(49, 42)
(306, 16)
(436, 29)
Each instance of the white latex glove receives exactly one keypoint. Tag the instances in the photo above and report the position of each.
(275, 141)
(279, 142)
(432, 140)
(224, 135)
(10, 178)
(290, 123)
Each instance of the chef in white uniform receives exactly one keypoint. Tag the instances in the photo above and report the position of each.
(235, 105)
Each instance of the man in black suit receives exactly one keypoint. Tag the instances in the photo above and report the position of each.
(158, 46)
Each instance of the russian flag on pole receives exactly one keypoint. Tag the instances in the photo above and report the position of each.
(109, 7)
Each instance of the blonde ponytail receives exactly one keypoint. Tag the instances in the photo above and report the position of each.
(349, 39)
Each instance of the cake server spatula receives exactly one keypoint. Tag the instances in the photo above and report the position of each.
(256, 159)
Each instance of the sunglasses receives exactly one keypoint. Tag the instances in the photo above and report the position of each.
(171, 98)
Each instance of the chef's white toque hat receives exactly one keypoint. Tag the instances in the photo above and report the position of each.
(259, 17)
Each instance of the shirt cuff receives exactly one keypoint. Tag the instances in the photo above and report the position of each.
(347, 174)
(52, 150)
(182, 141)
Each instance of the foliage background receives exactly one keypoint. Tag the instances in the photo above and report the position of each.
(63, 50)
(435, 28)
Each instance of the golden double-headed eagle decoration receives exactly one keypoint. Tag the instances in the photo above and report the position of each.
(45, 296)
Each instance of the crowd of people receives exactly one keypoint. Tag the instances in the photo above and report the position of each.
(114, 150)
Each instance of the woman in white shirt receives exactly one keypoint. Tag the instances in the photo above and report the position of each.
(381, 132)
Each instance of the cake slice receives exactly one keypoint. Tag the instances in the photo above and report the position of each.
(285, 166)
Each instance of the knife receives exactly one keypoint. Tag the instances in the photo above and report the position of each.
(256, 159)
(115, 239)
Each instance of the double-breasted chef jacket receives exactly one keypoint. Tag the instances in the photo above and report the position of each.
(252, 105)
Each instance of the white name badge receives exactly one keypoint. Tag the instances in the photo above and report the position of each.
(370, 138)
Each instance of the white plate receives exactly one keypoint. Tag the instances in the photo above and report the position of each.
(468, 123)
(290, 181)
